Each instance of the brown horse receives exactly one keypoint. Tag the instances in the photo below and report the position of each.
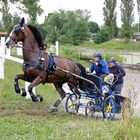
(38, 66)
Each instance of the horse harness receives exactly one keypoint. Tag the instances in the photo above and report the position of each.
(40, 64)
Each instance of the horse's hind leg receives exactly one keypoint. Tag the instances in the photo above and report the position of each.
(58, 101)
(73, 87)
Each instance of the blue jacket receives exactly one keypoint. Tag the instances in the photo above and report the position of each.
(119, 72)
(101, 68)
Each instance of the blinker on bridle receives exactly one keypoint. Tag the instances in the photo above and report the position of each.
(18, 30)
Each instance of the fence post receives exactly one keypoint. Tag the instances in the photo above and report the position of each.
(2, 60)
(56, 48)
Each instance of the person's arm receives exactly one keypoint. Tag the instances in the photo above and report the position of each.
(100, 64)
(121, 71)
(92, 68)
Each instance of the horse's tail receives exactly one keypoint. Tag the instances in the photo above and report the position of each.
(82, 73)
(82, 69)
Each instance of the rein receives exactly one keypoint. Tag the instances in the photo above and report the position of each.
(80, 77)
(16, 46)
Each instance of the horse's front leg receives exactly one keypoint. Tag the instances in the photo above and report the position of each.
(35, 83)
(16, 84)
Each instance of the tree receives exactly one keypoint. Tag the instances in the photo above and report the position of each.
(138, 8)
(32, 8)
(67, 27)
(103, 35)
(110, 16)
(80, 33)
(75, 29)
(127, 18)
(7, 17)
(93, 27)
(53, 25)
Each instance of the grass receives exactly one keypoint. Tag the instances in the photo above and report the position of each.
(112, 45)
(21, 119)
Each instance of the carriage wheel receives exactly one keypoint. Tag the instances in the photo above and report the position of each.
(70, 105)
(90, 109)
(109, 108)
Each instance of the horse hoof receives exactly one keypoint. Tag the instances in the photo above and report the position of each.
(35, 99)
(17, 90)
(40, 98)
(77, 107)
(53, 110)
(23, 93)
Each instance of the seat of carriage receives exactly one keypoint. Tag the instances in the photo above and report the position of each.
(84, 85)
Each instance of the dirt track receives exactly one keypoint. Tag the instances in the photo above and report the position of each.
(131, 88)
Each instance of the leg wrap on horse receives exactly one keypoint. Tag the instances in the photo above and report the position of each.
(17, 89)
(30, 88)
(56, 104)
(16, 78)
(33, 97)
(23, 92)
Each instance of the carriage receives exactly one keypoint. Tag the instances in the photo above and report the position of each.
(96, 96)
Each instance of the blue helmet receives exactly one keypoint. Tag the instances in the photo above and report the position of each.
(97, 54)
(112, 59)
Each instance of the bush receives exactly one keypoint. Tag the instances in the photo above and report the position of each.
(102, 36)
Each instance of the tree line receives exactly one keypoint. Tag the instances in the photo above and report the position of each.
(73, 26)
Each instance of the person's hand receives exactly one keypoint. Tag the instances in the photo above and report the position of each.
(88, 71)
(92, 61)
(96, 63)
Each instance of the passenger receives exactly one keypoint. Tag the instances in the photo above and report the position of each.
(118, 72)
(99, 65)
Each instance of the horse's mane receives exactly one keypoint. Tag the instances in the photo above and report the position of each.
(37, 35)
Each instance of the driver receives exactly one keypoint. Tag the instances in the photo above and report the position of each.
(99, 65)
(118, 72)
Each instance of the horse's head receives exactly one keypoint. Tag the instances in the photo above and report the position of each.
(16, 34)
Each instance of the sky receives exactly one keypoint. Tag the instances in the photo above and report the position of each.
(95, 6)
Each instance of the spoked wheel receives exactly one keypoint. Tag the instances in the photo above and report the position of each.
(109, 108)
(70, 105)
(90, 109)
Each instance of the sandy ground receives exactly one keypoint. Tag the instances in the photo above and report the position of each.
(131, 88)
